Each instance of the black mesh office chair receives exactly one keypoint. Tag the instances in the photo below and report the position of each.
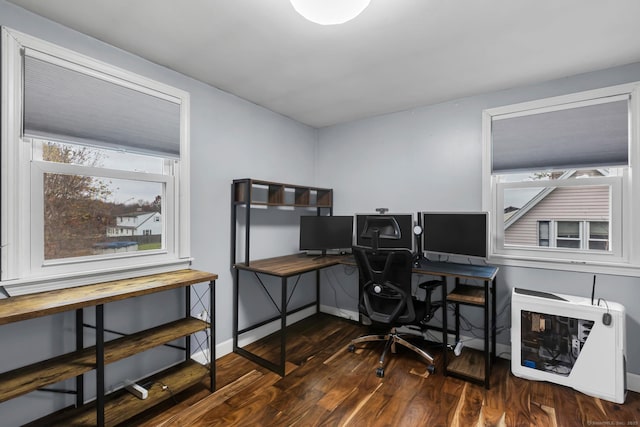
(386, 299)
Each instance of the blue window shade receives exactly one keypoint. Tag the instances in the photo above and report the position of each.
(66, 105)
(580, 137)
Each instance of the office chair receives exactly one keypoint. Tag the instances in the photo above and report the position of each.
(386, 299)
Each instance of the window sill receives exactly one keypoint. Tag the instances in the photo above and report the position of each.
(41, 284)
(616, 269)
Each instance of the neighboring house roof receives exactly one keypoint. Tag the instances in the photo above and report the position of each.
(148, 215)
(135, 214)
(509, 213)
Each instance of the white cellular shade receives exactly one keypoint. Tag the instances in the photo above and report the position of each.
(573, 138)
(67, 105)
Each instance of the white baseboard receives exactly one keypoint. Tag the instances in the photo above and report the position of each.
(338, 312)
(502, 350)
(633, 382)
(226, 347)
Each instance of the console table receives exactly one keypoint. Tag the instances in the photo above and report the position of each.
(121, 405)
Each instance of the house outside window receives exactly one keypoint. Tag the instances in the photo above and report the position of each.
(557, 181)
(573, 234)
(85, 144)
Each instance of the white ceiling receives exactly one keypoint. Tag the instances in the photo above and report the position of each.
(398, 54)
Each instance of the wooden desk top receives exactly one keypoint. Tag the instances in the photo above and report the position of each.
(469, 271)
(290, 265)
(25, 307)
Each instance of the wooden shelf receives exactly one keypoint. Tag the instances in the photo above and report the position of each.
(25, 307)
(470, 363)
(122, 405)
(266, 193)
(51, 371)
(29, 378)
(467, 294)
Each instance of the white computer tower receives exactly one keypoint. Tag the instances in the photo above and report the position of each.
(568, 340)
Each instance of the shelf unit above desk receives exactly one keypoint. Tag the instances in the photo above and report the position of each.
(247, 192)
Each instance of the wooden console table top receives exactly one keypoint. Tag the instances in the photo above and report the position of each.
(40, 304)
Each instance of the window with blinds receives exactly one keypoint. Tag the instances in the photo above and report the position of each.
(95, 158)
(558, 182)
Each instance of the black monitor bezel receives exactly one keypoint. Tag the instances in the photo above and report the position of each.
(479, 251)
(345, 244)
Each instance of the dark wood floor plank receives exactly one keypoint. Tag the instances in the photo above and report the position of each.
(332, 387)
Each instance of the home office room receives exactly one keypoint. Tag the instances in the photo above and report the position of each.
(241, 213)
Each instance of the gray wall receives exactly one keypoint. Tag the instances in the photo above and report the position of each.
(431, 162)
(230, 138)
(430, 159)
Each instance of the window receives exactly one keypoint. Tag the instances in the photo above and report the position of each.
(557, 180)
(91, 155)
(568, 234)
(598, 235)
(543, 233)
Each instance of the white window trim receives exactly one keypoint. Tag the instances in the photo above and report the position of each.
(629, 261)
(15, 179)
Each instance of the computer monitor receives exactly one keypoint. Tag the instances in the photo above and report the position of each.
(395, 230)
(325, 233)
(455, 233)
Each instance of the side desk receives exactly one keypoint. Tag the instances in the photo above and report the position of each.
(468, 366)
(283, 267)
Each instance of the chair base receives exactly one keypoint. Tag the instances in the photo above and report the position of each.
(392, 338)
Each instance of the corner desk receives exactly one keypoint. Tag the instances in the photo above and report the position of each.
(284, 267)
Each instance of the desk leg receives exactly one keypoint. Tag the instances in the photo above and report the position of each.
(100, 365)
(79, 348)
(283, 328)
(187, 314)
(212, 333)
(445, 331)
(236, 290)
(317, 291)
(493, 321)
(457, 313)
(487, 357)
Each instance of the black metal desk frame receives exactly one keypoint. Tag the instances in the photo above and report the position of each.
(485, 273)
(284, 268)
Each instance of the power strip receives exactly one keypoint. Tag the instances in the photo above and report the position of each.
(137, 390)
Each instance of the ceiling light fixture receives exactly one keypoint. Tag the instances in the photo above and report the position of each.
(329, 12)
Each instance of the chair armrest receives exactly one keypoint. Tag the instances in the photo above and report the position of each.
(431, 284)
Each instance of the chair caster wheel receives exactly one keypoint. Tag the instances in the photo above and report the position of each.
(431, 369)
(380, 372)
(351, 348)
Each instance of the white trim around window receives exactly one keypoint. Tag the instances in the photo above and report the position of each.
(624, 232)
(22, 261)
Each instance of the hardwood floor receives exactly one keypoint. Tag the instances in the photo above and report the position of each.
(326, 385)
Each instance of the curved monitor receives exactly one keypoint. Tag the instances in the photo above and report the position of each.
(455, 233)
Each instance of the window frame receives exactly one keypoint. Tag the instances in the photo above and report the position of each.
(625, 205)
(23, 270)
